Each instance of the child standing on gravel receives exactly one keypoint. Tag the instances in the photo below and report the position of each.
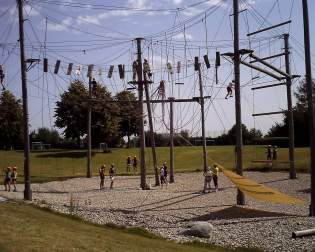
(215, 173)
(208, 176)
(14, 178)
(111, 175)
(7, 179)
(162, 177)
(102, 176)
(128, 164)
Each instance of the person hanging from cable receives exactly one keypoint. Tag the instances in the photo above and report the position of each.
(94, 87)
(134, 70)
(146, 69)
(229, 89)
(2, 75)
(161, 89)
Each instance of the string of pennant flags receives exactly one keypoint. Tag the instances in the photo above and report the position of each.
(122, 69)
(78, 70)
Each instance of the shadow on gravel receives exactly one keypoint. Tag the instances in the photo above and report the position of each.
(308, 190)
(236, 212)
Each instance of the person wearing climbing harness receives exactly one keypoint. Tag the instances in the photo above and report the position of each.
(274, 153)
(162, 176)
(165, 172)
(229, 89)
(111, 175)
(134, 70)
(146, 69)
(2, 75)
(14, 178)
(94, 86)
(134, 164)
(215, 173)
(7, 179)
(128, 163)
(269, 152)
(208, 176)
(102, 176)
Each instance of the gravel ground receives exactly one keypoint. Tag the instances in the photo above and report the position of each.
(168, 211)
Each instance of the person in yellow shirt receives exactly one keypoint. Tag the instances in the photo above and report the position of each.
(215, 173)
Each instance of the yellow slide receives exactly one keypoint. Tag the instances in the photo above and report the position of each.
(258, 191)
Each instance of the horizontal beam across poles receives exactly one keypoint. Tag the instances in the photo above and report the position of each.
(270, 113)
(268, 86)
(269, 28)
(269, 65)
(269, 57)
(279, 78)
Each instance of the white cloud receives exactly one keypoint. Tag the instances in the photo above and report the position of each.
(177, 1)
(181, 36)
(57, 27)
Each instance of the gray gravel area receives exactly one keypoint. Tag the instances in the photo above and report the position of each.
(168, 211)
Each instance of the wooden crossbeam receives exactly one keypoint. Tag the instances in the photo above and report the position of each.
(269, 28)
(268, 86)
(270, 113)
(279, 78)
(269, 57)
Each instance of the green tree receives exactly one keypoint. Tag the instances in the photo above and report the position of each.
(71, 111)
(128, 113)
(11, 120)
(105, 118)
(300, 118)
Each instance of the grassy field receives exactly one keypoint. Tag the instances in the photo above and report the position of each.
(59, 164)
(27, 228)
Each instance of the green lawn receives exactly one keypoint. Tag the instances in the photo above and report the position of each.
(54, 165)
(27, 228)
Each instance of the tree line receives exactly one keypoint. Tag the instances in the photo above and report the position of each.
(115, 122)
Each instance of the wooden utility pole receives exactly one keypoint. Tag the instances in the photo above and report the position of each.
(202, 105)
(171, 100)
(309, 86)
(143, 183)
(89, 132)
(239, 142)
(27, 177)
(152, 140)
(290, 110)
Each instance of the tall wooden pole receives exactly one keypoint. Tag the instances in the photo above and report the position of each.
(309, 86)
(143, 182)
(147, 96)
(202, 105)
(89, 132)
(290, 110)
(239, 142)
(27, 178)
(171, 99)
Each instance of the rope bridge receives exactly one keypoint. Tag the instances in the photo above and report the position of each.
(258, 191)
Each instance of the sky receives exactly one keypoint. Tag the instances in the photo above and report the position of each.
(103, 33)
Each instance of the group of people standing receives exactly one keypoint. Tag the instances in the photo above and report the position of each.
(111, 174)
(132, 162)
(272, 152)
(212, 172)
(10, 178)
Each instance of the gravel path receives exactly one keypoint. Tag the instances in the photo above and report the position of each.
(167, 211)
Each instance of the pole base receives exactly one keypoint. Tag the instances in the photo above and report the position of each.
(312, 210)
(240, 198)
(28, 194)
